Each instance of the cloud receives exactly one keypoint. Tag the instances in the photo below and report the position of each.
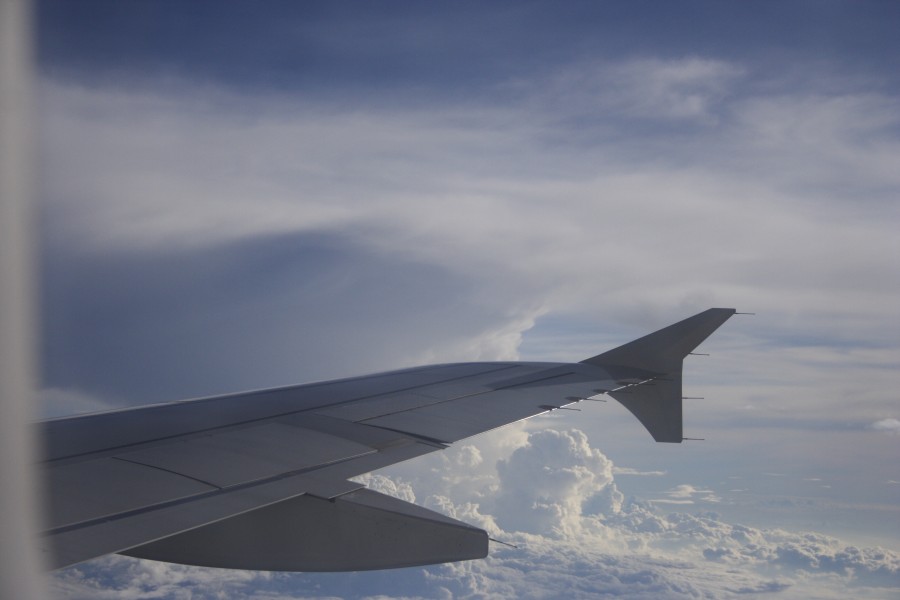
(687, 494)
(475, 190)
(544, 485)
(630, 471)
(484, 206)
(652, 88)
(255, 314)
(116, 577)
(887, 425)
(686, 491)
(386, 485)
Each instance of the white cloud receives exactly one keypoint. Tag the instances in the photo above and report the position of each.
(386, 485)
(687, 88)
(630, 471)
(687, 494)
(117, 577)
(544, 485)
(888, 425)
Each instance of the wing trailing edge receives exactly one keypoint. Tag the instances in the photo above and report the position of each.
(650, 370)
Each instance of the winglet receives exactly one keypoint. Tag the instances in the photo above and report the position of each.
(662, 351)
(660, 355)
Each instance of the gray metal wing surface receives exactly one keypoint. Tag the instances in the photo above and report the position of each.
(261, 480)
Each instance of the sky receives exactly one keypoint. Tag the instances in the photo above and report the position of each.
(238, 195)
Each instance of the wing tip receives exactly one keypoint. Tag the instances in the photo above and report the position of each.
(661, 355)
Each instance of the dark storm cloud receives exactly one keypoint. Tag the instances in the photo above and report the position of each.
(138, 327)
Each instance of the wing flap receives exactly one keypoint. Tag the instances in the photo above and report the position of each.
(359, 531)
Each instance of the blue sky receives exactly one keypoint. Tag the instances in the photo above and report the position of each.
(236, 197)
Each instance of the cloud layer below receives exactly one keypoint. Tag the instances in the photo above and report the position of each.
(577, 534)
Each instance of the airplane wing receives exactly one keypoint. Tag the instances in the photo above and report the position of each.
(261, 480)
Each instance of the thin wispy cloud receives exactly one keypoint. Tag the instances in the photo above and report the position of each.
(887, 425)
(630, 471)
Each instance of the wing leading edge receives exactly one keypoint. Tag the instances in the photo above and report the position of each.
(261, 480)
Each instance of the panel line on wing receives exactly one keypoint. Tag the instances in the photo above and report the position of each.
(163, 469)
(466, 397)
(212, 493)
(249, 454)
(458, 418)
(397, 401)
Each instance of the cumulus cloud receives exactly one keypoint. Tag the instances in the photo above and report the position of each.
(386, 485)
(116, 577)
(544, 485)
